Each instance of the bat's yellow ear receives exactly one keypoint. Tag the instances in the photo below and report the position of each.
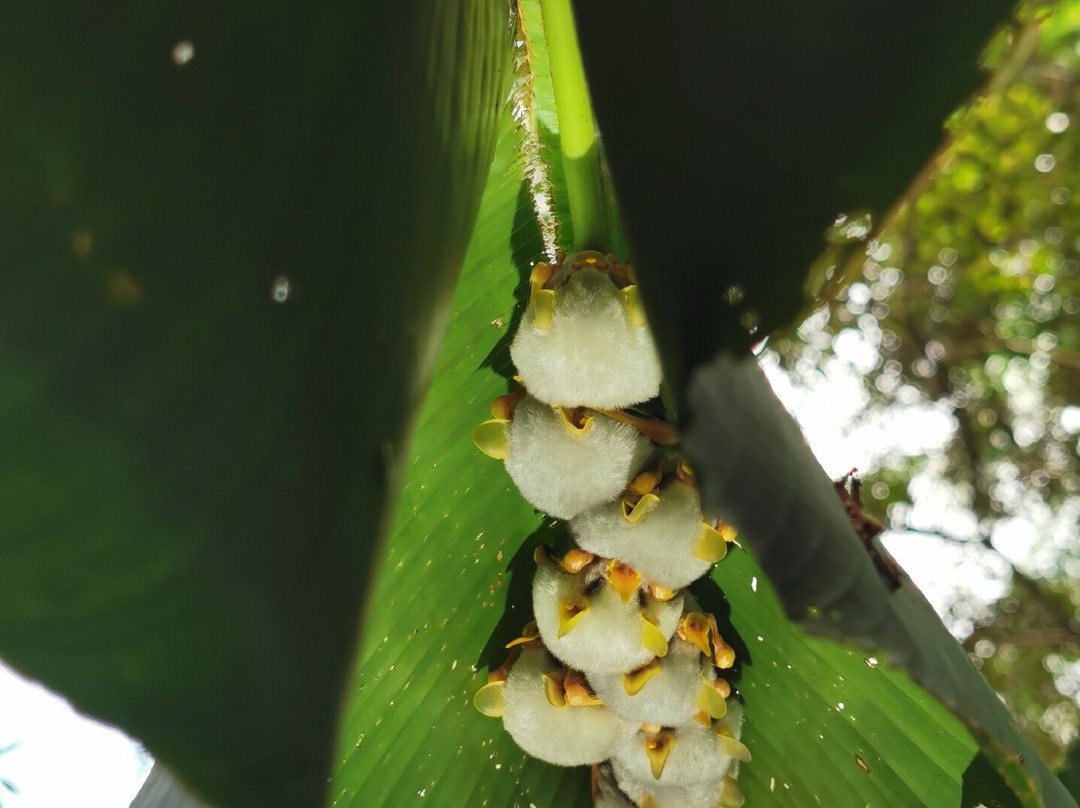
(623, 579)
(731, 795)
(491, 438)
(577, 690)
(554, 690)
(633, 512)
(732, 747)
(631, 299)
(652, 638)
(710, 701)
(694, 628)
(489, 699)
(710, 545)
(543, 309)
(635, 680)
(570, 613)
(528, 634)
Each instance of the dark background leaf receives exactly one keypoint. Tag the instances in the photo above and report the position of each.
(1070, 775)
(758, 474)
(194, 475)
(736, 134)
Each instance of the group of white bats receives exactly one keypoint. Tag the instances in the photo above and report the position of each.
(620, 668)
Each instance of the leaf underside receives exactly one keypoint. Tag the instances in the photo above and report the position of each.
(736, 133)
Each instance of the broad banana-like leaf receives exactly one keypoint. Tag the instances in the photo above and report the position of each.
(827, 724)
(229, 234)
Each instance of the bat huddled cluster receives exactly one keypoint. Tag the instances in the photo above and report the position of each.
(620, 669)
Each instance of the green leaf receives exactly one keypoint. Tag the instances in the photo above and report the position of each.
(229, 237)
(758, 474)
(828, 725)
(455, 587)
(456, 550)
(459, 569)
(737, 133)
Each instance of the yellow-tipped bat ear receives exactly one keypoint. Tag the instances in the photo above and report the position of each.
(489, 699)
(635, 680)
(541, 557)
(733, 748)
(542, 305)
(576, 560)
(658, 749)
(570, 613)
(502, 408)
(723, 655)
(710, 701)
(623, 579)
(694, 628)
(634, 512)
(631, 299)
(587, 259)
(731, 795)
(528, 634)
(541, 300)
(710, 545)
(577, 421)
(662, 593)
(540, 275)
(722, 687)
(645, 483)
(577, 690)
(491, 438)
(554, 690)
(652, 638)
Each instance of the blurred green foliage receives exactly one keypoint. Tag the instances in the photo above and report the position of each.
(969, 301)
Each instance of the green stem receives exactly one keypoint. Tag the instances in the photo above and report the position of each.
(577, 127)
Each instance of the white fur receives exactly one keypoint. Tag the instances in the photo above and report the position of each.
(591, 355)
(563, 474)
(608, 793)
(707, 796)
(732, 721)
(660, 546)
(668, 698)
(564, 736)
(696, 760)
(608, 638)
